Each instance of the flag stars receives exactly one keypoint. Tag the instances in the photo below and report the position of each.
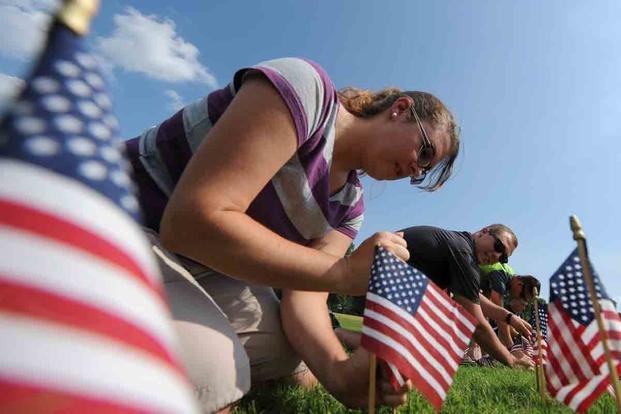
(67, 69)
(89, 109)
(69, 124)
(99, 130)
(56, 103)
(42, 146)
(45, 85)
(93, 170)
(79, 88)
(129, 202)
(94, 80)
(81, 146)
(86, 60)
(30, 125)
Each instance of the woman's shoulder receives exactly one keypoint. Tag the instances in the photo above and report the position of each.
(298, 72)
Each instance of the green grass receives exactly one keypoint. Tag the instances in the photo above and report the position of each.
(349, 322)
(475, 390)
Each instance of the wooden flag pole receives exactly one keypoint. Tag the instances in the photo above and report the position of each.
(372, 377)
(541, 379)
(580, 238)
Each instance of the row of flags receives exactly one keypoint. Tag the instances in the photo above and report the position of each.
(77, 279)
(421, 333)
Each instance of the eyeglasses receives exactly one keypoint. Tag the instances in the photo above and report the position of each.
(500, 248)
(426, 153)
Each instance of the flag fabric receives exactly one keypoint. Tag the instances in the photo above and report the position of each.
(542, 315)
(84, 326)
(414, 326)
(577, 372)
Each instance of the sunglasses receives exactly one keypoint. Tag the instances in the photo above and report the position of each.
(426, 153)
(500, 248)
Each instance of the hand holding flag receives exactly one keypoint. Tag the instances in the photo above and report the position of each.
(414, 326)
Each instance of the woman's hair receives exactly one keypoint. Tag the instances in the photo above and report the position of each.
(365, 104)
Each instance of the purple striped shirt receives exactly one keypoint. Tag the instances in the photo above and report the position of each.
(296, 202)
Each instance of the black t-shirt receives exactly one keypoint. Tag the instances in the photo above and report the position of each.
(497, 280)
(446, 257)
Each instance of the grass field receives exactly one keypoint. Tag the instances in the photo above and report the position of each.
(475, 391)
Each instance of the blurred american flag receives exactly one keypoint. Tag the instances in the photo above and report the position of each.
(83, 322)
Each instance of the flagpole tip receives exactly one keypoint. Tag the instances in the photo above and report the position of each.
(576, 227)
(78, 14)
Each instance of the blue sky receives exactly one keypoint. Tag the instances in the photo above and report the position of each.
(535, 87)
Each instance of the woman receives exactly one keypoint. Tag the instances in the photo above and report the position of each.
(259, 182)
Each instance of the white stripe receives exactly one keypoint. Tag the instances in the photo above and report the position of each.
(434, 310)
(586, 391)
(196, 122)
(43, 354)
(454, 311)
(368, 313)
(455, 308)
(397, 347)
(298, 201)
(396, 374)
(306, 84)
(575, 351)
(56, 268)
(412, 321)
(554, 348)
(68, 199)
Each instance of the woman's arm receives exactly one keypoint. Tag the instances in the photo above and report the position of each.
(307, 325)
(206, 219)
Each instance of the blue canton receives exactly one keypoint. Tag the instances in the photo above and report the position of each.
(397, 281)
(568, 288)
(63, 122)
(543, 319)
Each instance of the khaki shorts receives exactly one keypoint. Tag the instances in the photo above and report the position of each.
(229, 332)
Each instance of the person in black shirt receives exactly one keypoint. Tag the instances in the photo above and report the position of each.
(451, 260)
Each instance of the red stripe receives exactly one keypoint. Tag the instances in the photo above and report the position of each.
(577, 344)
(414, 353)
(410, 328)
(388, 354)
(442, 324)
(17, 398)
(463, 313)
(44, 224)
(35, 303)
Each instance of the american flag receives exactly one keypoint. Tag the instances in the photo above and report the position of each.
(542, 315)
(414, 326)
(576, 371)
(530, 345)
(83, 321)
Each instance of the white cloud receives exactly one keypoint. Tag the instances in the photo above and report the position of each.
(150, 45)
(9, 87)
(176, 102)
(24, 23)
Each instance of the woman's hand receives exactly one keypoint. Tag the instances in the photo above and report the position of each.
(359, 263)
(353, 389)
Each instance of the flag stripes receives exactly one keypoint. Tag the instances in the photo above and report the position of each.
(415, 327)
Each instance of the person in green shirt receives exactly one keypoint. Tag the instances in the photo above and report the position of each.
(504, 288)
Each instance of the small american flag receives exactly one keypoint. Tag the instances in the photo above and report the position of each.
(414, 326)
(542, 315)
(576, 371)
(83, 322)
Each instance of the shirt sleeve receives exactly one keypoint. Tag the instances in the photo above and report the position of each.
(464, 272)
(304, 87)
